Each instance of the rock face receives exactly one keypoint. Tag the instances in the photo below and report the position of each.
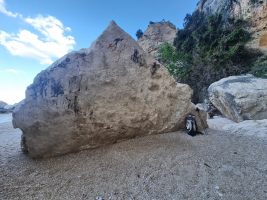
(156, 34)
(240, 97)
(255, 11)
(3, 104)
(109, 92)
(5, 108)
(248, 127)
(2, 107)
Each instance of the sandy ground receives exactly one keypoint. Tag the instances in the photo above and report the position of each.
(170, 166)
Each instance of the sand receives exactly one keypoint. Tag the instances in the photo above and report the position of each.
(214, 166)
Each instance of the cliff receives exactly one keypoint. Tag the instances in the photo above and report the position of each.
(156, 34)
(254, 11)
(5, 108)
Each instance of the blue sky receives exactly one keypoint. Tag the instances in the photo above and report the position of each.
(34, 33)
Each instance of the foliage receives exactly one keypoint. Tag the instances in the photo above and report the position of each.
(139, 33)
(210, 47)
(163, 21)
(255, 1)
(213, 40)
(260, 68)
(173, 61)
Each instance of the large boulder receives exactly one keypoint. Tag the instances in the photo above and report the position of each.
(248, 127)
(240, 97)
(97, 96)
(157, 34)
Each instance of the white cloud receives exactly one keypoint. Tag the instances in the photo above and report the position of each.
(49, 42)
(5, 11)
(12, 71)
(67, 29)
(12, 94)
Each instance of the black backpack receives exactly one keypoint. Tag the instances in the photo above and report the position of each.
(191, 125)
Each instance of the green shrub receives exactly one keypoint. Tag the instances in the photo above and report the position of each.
(208, 48)
(255, 1)
(214, 40)
(139, 33)
(173, 61)
(259, 69)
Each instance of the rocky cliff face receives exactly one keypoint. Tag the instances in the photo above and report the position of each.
(255, 11)
(5, 108)
(156, 34)
(109, 92)
(2, 107)
(3, 104)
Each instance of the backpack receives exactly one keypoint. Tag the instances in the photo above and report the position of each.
(191, 125)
